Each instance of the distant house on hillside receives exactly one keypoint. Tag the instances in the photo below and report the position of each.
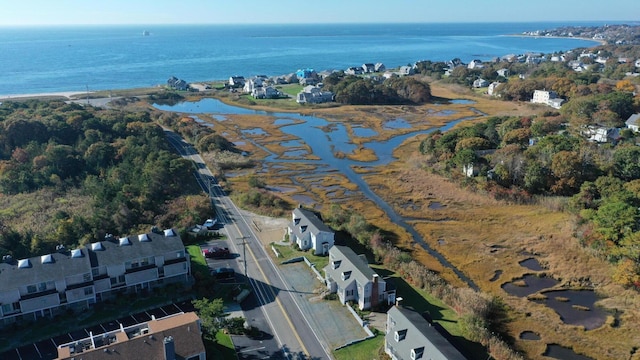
(177, 84)
(633, 122)
(491, 90)
(548, 98)
(479, 83)
(354, 70)
(406, 70)
(236, 81)
(503, 72)
(379, 67)
(475, 64)
(265, 92)
(368, 68)
(313, 95)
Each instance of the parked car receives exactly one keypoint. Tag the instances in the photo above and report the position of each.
(216, 252)
(224, 273)
(210, 224)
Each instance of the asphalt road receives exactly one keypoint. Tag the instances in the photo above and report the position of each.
(271, 308)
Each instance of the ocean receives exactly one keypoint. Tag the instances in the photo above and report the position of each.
(54, 59)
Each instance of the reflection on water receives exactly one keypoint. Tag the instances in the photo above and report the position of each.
(576, 307)
(531, 285)
(556, 351)
(254, 131)
(462, 101)
(364, 132)
(532, 264)
(529, 335)
(398, 123)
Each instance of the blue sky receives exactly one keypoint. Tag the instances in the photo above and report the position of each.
(66, 12)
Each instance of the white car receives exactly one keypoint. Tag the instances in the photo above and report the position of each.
(210, 223)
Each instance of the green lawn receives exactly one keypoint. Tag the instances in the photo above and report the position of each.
(221, 348)
(365, 350)
(198, 262)
(291, 89)
(288, 252)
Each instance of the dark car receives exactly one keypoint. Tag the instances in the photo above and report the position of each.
(215, 252)
(224, 273)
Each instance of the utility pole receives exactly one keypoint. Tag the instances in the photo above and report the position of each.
(244, 253)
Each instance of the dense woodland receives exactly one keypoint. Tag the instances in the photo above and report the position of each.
(118, 162)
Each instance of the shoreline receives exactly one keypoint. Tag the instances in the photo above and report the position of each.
(599, 41)
(64, 94)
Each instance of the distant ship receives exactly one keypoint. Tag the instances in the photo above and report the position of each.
(146, 33)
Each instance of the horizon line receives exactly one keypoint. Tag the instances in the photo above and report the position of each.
(617, 22)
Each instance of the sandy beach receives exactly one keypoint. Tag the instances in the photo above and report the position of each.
(65, 94)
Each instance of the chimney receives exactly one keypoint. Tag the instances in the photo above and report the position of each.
(398, 301)
(374, 291)
(169, 348)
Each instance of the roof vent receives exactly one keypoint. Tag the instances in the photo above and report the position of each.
(46, 259)
(24, 263)
(124, 241)
(60, 248)
(7, 258)
(76, 253)
(169, 232)
(143, 238)
(97, 246)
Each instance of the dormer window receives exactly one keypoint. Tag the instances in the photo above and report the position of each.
(303, 228)
(143, 237)
(336, 264)
(169, 232)
(46, 259)
(124, 241)
(400, 335)
(417, 353)
(97, 246)
(76, 253)
(24, 264)
(346, 275)
(296, 221)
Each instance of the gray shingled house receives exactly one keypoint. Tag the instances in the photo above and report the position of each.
(350, 276)
(410, 337)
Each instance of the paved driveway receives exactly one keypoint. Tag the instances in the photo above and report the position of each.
(330, 320)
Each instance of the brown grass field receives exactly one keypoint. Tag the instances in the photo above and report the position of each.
(479, 235)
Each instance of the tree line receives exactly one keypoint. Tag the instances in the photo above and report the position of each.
(120, 160)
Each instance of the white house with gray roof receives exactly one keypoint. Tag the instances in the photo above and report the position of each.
(409, 336)
(350, 276)
(633, 122)
(45, 285)
(309, 232)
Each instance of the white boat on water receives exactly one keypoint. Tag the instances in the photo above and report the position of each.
(146, 33)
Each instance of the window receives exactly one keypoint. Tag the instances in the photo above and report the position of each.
(367, 299)
(417, 353)
(400, 335)
(180, 254)
(31, 289)
(95, 272)
(88, 290)
(86, 277)
(121, 279)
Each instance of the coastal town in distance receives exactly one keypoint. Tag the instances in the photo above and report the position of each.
(459, 209)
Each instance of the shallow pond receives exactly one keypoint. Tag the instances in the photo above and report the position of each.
(532, 264)
(576, 307)
(254, 131)
(364, 132)
(291, 143)
(556, 351)
(533, 284)
(462, 101)
(529, 335)
(294, 153)
(303, 199)
(496, 275)
(396, 124)
(435, 205)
